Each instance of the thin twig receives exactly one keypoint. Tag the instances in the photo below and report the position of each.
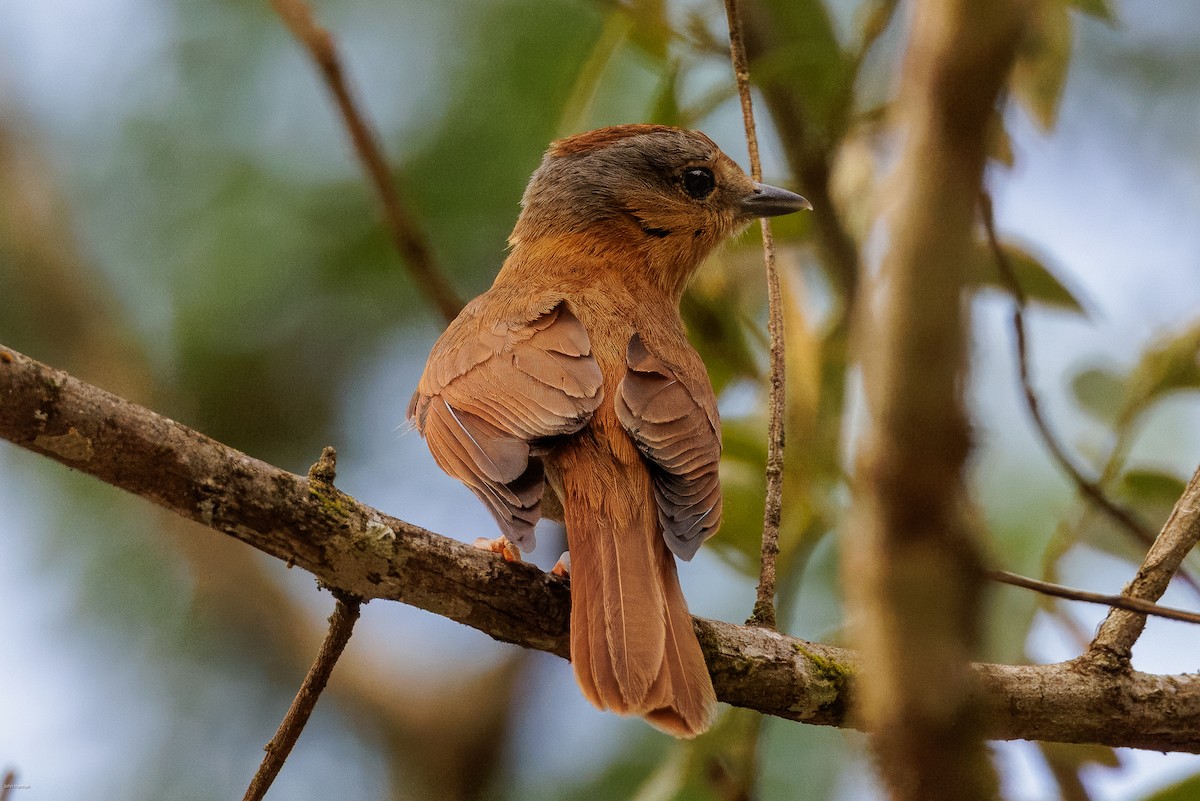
(341, 626)
(406, 235)
(764, 604)
(1121, 629)
(1116, 601)
(1087, 487)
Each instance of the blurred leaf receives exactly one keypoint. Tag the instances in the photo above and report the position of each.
(666, 105)
(1100, 393)
(651, 29)
(1169, 365)
(796, 54)
(876, 17)
(1078, 756)
(1040, 72)
(1101, 9)
(719, 337)
(622, 777)
(805, 462)
(720, 764)
(667, 780)
(1151, 487)
(1151, 493)
(577, 110)
(701, 36)
(1036, 279)
(1186, 790)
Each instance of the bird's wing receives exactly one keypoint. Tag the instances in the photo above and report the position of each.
(674, 423)
(493, 393)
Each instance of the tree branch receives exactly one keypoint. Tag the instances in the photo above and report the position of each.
(406, 235)
(363, 552)
(341, 626)
(1121, 629)
(1072, 594)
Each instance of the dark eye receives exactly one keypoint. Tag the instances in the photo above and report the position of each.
(698, 182)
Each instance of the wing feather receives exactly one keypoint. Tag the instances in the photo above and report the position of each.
(674, 424)
(491, 389)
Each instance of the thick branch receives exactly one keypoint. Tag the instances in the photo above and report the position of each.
(363, 552)
(914, 567)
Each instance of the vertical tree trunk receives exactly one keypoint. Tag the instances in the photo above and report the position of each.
(912, 565)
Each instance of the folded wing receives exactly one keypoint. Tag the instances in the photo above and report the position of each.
(674, 423)
(495, 394)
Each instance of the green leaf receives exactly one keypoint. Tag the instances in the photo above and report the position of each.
(577, 110)
(1040, 73)
(796, 58)
(719, 337)
(1150, 493)
(666, 108)
(651, 29)
(1100, 392)
(1170, 365)
(1146, 487)
(1038, 282)
(1186, 790)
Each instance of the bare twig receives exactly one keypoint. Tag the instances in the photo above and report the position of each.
(366, 553)
(406, 235)
(341, 626)
(1090, 489)
(1072, 594)
(764, 604)
(1121, 629)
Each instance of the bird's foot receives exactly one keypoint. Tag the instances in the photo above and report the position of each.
(501, 545)
(563, 566)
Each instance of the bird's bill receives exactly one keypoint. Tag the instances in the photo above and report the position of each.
(771, 201)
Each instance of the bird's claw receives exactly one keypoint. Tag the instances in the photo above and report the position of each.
(501, 545)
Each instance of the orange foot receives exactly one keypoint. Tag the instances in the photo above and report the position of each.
(500, 545)
(563, 566)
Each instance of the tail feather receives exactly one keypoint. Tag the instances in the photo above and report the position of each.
(632, 645)
(692, 702)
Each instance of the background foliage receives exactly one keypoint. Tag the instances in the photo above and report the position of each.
(182, 222)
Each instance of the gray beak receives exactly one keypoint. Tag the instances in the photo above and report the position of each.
(771, 201)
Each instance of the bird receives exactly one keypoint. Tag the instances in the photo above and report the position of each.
(569, 390)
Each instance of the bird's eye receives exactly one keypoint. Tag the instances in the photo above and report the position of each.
(698, 182)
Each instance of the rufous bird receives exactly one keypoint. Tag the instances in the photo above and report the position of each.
(574, 372)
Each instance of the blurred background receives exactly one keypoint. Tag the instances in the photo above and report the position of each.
(183, 222)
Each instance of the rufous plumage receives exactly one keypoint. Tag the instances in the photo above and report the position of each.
(571, 385)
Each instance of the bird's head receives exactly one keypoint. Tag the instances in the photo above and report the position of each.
(664, 194)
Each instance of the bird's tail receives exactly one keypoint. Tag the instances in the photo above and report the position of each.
(632, 644)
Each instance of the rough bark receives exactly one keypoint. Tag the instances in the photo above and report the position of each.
(363, 552)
